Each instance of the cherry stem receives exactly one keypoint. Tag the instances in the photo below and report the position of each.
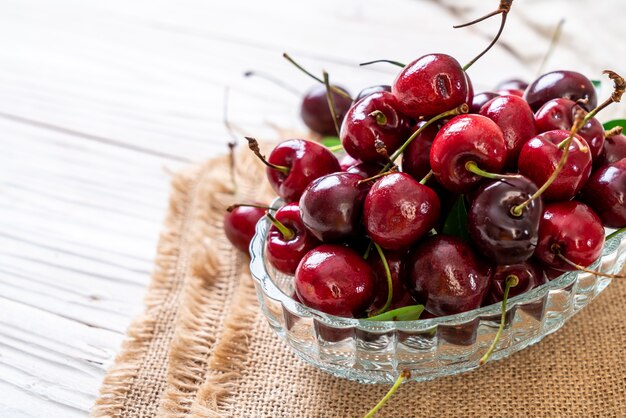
(234, 140)
(381, 118)
(274, 81)
(331, 102)
(253, 144)
(403, 376)
(406, 313)
(616, 233)
(368, 250)
(387, 304)
(287, 233)
(511, 281)
(616, 130)
(396, 63)
(314, 77)
(503, 9)
(426, 177)
(556, 36)
(375, 177)
(472, 167)
(335, 148)
(586, 270)
(464, 108)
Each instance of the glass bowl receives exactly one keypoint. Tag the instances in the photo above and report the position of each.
(378, 351)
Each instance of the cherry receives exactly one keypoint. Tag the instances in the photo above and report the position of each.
(571, 230)
(499, 234)
(335, 280)
(315, 111)
(565, 84)
(287, 239)
(605, 193)
(465, 139)
(294, 163)
(430, 85)
(443, 273)
(332, 205)
(373, 118)
(371, 90)
(416, 157)
(511, 92)
(559, 114)
(365, 170)
(614, 148)
(529, 273)
(512, 84)
(240, 223)
(398, 211)
(516, 120)
(347, 161)
(480, 99)
(542, 154)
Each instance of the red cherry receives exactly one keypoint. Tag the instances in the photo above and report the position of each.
(365, 170)
(347, 161)
(463, 139)
(605, 193)
(371, 90)
(541, 155)
(335, 280)
(315, 111)
(516, 120)
(416, 157)
(284, 251)
(370, 119)
(480, 99)
(305, 160)
(240, 224)
(529, 274)
(512, 84)
(511, 92)
(430, 85)
(614, 149)
(573, 230)
(565, 84)
(401, 297)
(399, 210)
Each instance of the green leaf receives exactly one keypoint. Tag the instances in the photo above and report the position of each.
(330, 141)
(406, 313)
(613, 123)
(456, 222)
(597, 84)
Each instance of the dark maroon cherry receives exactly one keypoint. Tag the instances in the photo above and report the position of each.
(373, 118)
(443, 273)
(332, 205)
(480, 99)
(315, 111)
(500, 236)
(305, 161)
(529, 274)
(366, 170)
(614, 149)
(516, 120)
(512, 84)
(566, 84)
(559, 114)
(399, 210)
(416, 157)
(347, 161)
(240, 224)
(605, 193)
(400, 294)
(430, 85)
(573, 230)
(335, 280)
(371, 90)
(463, 139)
(541, 155)
(289, 241)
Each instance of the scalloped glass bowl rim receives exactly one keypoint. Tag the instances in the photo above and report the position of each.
(271, 290)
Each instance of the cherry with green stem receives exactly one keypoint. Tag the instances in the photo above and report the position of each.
(253, 144)
(406, 374)
(511, 281)
(387, 304)
(331, 101)
(406, 313)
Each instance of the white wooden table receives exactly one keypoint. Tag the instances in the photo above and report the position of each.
(99, 101)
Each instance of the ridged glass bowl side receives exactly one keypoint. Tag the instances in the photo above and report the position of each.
(377, 352)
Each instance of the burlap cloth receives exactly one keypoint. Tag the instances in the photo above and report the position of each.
(202, 348)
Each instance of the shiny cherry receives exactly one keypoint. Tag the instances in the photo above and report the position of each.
(559, 114)
(240, 224)
(573, 230)
(288, 241)
(480, 99)
(335, 280)
(401, 296)
(541, 155)
(512, 84)
(430, 85)
(605, 193)
(347, 161)
(365, 170)
(332, 205)
(443, 273)
(416, 157)
(315, 111)
(614, 149)
(499, 235)
(371, 90)
(305, 161)
(463, 139)
(565, 84)
(511, 92)
(398, 211)
(373, 118)
(529, 273)
(516, 120)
